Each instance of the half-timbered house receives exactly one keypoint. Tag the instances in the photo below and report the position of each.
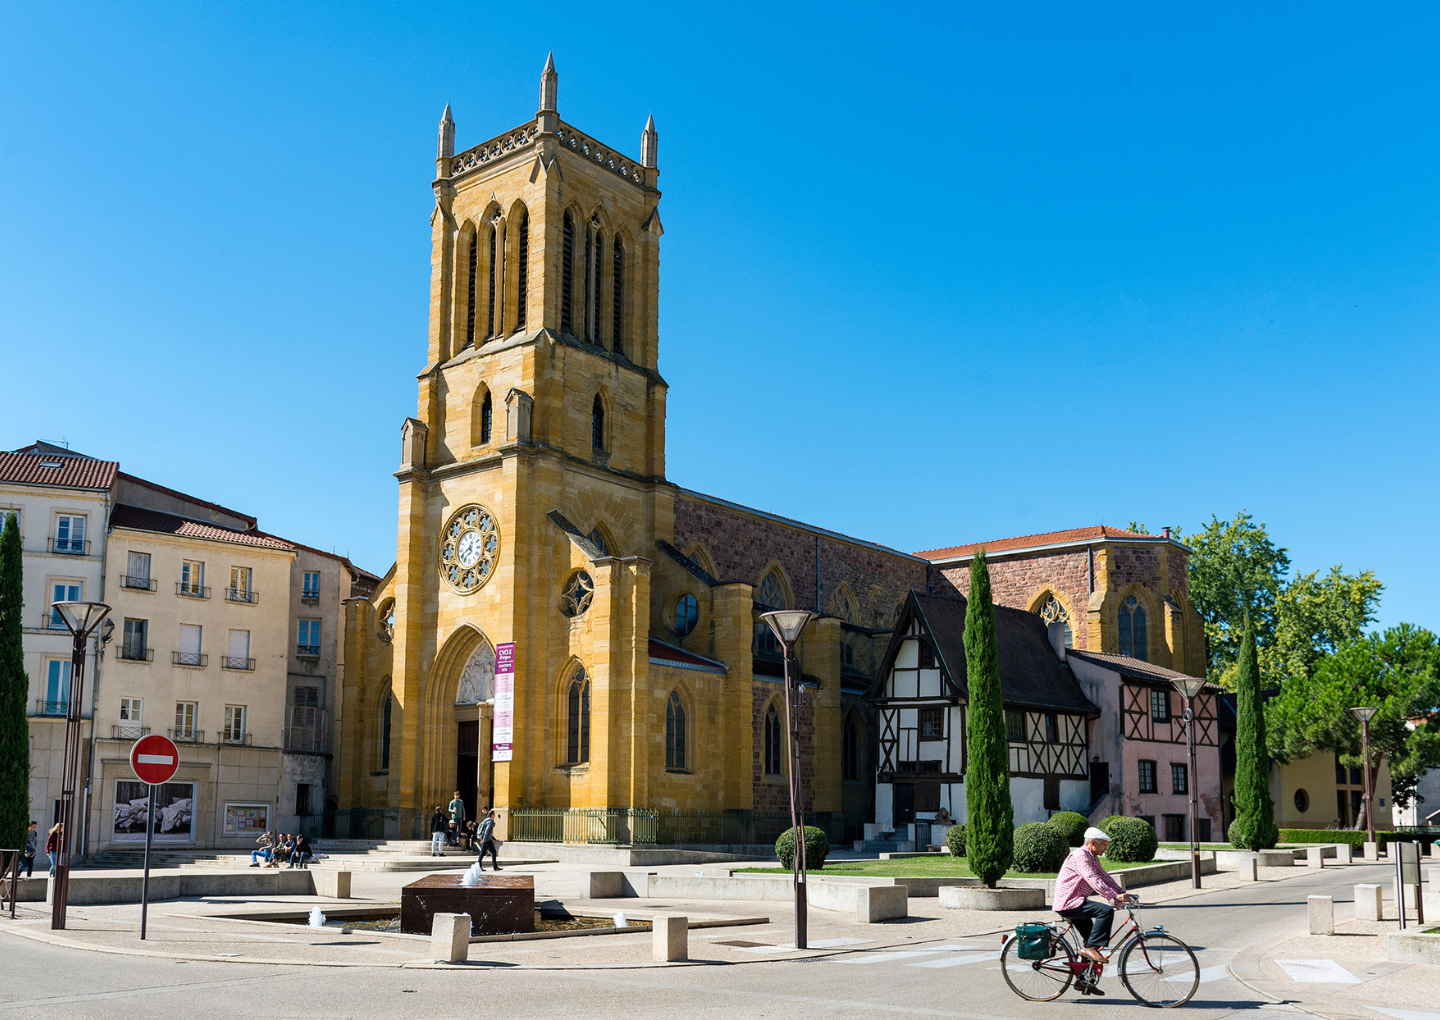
(922, 699)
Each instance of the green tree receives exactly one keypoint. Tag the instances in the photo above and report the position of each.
(1254, 826)
(1314, 616)
(1397, 672)
(990, 825)
(1236, 574)
(14, 689)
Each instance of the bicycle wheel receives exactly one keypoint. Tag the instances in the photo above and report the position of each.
(1038, 980)
(1159, 970)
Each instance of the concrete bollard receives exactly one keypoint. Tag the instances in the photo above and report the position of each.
(450, 938)
(875, 903)
(1372, 851)
(1249, 870)
(671, 938)
(1315, 857)
(1322, 915)
(604, 885)
(332, 884)
(1344, 853)
(1368, 903)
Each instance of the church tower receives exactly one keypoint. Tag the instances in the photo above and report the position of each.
(532, 495)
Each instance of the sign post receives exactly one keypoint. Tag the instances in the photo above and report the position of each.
(154, 760)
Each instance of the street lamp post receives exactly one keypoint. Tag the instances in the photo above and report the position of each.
(1191, 686)
(1365, 714)
(787, 625)
(81, 618)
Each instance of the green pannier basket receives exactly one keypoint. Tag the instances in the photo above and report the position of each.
(1034, 939)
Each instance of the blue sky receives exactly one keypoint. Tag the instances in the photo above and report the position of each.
(990, 269)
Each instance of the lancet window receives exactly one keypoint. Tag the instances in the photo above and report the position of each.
(1132, 628)
(675, 733)
(577, 719)
(567, 275)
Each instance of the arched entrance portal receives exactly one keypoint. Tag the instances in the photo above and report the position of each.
(474, 699)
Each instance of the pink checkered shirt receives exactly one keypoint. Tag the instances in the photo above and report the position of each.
(1080, 876)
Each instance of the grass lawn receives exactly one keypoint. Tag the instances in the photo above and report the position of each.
(918, 867)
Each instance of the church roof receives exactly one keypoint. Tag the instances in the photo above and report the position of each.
(1095, 533)
(1031, 674)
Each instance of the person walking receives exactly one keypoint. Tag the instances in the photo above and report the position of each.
(439, 825)
(486, 836)
(27, 859)
(52, 846)
(1080, 876)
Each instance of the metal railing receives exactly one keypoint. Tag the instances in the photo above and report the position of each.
(128, 732)
(192, 591)
(51, 620)
(70, 546)
(43, 707)
(310, 598)
(138, 583)
(582, 825)
(247, 595)
(308, 651)
(242, 739)
(236, 662)
(313, 738)
(189, 658)
(133, 654)
(186, 736)
(349, 823)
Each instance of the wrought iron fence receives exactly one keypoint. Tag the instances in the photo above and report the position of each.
(191, 591)
(189, 658)
(307, 651)
(142, 583)
(134, 653)
(237, 662)
(128, 732)
(43, 707)
(242, 595)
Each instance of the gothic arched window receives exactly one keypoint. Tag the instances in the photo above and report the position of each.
(1051, 611)
(1132, 628)
(850, 750)
(470, 303)
(490, 315)
(597, 538)
(597, 424)
(593, 260)
(577, 719)
(522, 268)
(770, 595)
(385, 712)
(772, 742)
(675, 732)
(487, 415)
(617, 284)
(567, 274)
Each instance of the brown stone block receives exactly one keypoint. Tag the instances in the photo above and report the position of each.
(497, 904)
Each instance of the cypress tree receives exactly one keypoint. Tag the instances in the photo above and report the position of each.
(990, 821)
(1254, 826)
(14, 689)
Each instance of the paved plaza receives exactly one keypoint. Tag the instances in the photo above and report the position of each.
(1250, 940)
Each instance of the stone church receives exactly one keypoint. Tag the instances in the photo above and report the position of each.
(569, 636)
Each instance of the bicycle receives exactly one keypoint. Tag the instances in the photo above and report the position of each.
(1155, 966)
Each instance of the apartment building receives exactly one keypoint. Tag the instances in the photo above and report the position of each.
(62, 504)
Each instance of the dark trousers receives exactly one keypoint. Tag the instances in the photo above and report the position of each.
(27, 865)
(1093, 920)
(488, 847)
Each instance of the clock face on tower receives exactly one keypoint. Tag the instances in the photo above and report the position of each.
(469, 547)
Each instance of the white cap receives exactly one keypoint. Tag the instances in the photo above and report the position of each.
(1094, 833)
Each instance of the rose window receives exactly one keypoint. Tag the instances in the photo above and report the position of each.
(576, 596)
(469, 548)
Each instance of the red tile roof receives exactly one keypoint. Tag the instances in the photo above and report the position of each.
(139, 519)
(1097, 533)
(1129, 666)
(62, 472)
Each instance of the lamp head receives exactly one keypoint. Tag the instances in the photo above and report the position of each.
(1364, 713)
(1190, 686)
(81, 617)
(787, 623)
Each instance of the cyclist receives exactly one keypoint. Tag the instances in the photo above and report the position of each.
(1080, 876)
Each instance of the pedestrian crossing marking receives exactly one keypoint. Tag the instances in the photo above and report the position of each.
(1318, 972)
(955, 961)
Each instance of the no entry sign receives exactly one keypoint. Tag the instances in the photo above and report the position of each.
(154, 759)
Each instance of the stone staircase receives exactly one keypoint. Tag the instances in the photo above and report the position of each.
(341, 855)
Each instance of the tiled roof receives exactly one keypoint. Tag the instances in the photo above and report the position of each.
(1096, 533)
(1129, 666)
(140, 519)
(665, 654)
(60, 471)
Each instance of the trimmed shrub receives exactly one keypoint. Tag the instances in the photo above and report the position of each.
(817, 848)
(955, 840)
(1072, 824)
(1040, 846)
(1132, 840)
(1351, 836)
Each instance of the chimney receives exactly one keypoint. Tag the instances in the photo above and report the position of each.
(1165, 532)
